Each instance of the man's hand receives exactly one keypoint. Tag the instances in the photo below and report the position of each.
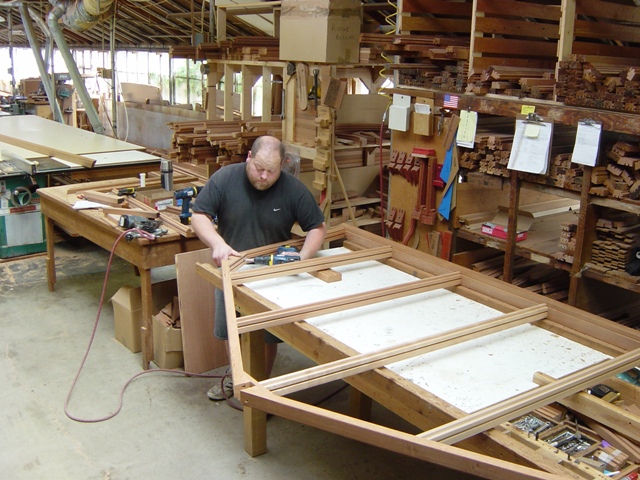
(221, 251)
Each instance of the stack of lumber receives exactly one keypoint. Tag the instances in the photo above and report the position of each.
(599, 85)
(537, 83)
(492, 146)
(263, 49)
(239, 48)
(435, 61)
(562, 173)
(620, 178)
(355, 146)
(543, 279)
(618, 234)
(567, 243)
(217, 141)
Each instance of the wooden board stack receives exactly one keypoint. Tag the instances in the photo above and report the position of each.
(620, 178)
(599, 85)
(537, 83)
(217, 141)
(618, 234)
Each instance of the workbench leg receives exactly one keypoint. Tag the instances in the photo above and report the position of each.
(360, 405)
(255, 421)
(51, 254)
(255, 431)
(147, 312)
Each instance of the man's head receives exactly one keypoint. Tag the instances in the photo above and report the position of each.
(264, 162)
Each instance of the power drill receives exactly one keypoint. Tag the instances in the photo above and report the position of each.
(278, 258)
(186, 194)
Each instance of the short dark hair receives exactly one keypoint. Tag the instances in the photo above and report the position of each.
(267, 141)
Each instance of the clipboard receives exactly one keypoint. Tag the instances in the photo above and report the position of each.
(531, 144)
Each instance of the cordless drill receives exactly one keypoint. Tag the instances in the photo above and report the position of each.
(186, 194)
(278, 258)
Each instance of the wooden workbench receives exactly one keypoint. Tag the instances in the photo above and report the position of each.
(442, 391)
(57, 208)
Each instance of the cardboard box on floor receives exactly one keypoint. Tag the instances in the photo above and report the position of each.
(167, 342)
(332, 28)
(127, 311)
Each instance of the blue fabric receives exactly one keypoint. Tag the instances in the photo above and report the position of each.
(445, 204)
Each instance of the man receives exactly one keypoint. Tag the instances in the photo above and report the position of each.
(255, 204)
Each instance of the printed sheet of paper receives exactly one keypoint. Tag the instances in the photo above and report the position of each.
(585, 150)
(467, 128)
(530, 150)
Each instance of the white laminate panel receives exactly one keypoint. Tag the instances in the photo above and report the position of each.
(469, 376)
(34, 129)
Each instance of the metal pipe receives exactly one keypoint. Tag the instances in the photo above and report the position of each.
(114, 89)
(47, 81)
(52, 20)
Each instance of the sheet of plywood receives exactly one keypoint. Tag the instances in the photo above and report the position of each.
(122, 157)
(20, 152)
(202, 351)
(47, 133)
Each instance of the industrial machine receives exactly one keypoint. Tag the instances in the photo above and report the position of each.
(21, 222)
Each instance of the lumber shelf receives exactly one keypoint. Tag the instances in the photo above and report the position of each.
(538, 246)
(505, 106)
(621, 280)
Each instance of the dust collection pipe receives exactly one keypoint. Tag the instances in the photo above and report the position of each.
(76, 17)
(44, 75)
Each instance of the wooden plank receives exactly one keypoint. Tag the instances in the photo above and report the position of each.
(312, 264)
(504, 46)
(514, 27)
(404, 443)
(435, 25)
(522, 9)
(609, 10)
(49, 151)
(288, 315)
(437, 7)
(590, 29)
(201, 350)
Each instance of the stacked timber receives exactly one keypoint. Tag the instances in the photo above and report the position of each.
(426, 61)
(599, 85)
(620, 177)
(217, 141)
(562, 173)
(567, 242)
(521, 82)
(618, 234)
(259, 49)
(256, 48)
(356, 145)
(529, 274)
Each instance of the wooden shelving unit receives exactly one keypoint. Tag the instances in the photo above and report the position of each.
(573, 38)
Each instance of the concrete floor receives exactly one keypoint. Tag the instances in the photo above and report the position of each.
(167, 428)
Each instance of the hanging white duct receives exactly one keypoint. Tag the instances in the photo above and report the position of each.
(84, 14)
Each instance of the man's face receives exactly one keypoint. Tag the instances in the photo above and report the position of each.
(264, 169)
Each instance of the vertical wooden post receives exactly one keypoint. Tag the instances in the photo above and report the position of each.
(512, 226)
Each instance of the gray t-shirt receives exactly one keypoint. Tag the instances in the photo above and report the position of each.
(250, 218)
